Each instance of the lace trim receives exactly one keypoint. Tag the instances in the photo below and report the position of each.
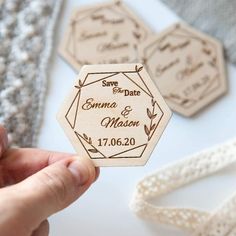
(220, 222)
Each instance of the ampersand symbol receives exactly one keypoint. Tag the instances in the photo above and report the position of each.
(126, 111)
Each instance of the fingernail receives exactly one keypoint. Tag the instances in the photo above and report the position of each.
(80, 171)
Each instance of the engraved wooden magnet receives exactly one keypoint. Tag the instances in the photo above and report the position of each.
(104, 33)
(187, 66)
(114, 114)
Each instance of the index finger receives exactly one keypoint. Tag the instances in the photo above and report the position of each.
(18, 164)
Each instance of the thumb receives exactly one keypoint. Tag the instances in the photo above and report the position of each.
(51, 189)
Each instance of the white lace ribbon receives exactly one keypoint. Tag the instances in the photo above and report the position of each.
(220, 222)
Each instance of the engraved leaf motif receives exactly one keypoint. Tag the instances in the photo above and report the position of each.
(149, 113)
(153, 102)
(90, 141)
(137, 25)
(80, 83)
(118, 3)
(154, 116)
(147, 131)
(138, 69)
(93, 150)
(153, 127)
(207, 51)
(136, 35)
(213, 62)
(185, 101)
(78, 87)
(85, 136)
(172, 95)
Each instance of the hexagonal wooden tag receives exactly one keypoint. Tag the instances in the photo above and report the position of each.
(114, 114)
(103, 34)
(187, 66)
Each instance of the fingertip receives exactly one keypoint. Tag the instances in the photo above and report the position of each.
(93, 172)
(79, 171)
(83, 170)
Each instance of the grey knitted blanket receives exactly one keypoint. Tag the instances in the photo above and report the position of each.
(216, 17)
(26, 30)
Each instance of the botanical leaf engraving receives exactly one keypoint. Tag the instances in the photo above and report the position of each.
(138, 69)
(80, 85)
(89, 141)
(149, 129)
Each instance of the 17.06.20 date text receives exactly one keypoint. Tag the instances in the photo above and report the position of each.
(116, 142)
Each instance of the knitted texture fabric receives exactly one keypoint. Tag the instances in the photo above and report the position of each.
(217, 18)
(26, 31)
(221, 222)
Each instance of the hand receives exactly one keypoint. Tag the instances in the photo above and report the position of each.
(34, 184)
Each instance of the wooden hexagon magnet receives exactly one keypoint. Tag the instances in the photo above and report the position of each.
(187, 66)
(114, 114)
(103, 34)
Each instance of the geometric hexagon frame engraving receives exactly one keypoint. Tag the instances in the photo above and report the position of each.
(114, 115)
(105, 33)
(187, 66)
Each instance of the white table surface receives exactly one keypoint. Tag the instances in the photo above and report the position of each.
(103, 210)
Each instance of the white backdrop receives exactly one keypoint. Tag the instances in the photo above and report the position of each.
(103, 210)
